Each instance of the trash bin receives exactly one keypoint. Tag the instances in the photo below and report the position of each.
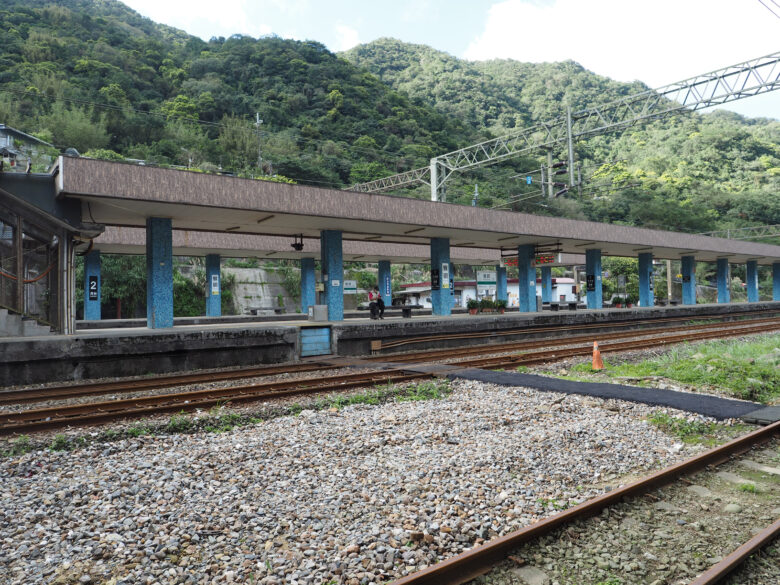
(318, 312)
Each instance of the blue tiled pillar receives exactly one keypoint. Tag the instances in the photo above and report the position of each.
(593, 279)
(526, 275)
(724, 288)
(159, 273)
(752, 281)
(646, 295)
(332, 273)
(501, 283)
(308, 292)
(688, 269)
(546, 284)
(213, 286)
(92, 285)
(385, 282)
(440, 265)
(776, 281)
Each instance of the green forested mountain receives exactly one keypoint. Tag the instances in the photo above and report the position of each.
(94, 75)
(695, 172)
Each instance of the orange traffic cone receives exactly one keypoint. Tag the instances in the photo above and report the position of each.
(597, 363)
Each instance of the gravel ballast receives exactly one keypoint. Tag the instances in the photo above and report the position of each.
(359, 495)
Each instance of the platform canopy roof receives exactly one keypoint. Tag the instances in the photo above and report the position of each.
(125, 195)
(121, 240)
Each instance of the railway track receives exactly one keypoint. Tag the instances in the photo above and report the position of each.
(33, 420)
(99, 412)
(13, 397)
(484, 559)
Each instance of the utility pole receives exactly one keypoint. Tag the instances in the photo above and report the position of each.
(258, 122)
(550, 187)
(571, 148)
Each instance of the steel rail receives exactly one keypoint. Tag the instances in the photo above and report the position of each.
(586, 326)
(165, 381)
(732, 562)
(12, 397)
(547, 356)
(96, 413)
(478, 561)
(521, 345)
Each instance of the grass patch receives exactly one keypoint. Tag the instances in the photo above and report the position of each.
(432, 390)
(139, 430)
(748, 370)
(699, 432)
(60, 443)
(179, 423)
(748, 487)
(19, 446)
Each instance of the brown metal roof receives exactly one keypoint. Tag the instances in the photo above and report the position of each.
(125, 195)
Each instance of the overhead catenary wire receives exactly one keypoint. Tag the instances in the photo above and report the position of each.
(769, 8)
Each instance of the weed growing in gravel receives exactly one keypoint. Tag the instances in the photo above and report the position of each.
(224, 422)
(179, 423)
(748, 370)
(426, 391)
(60, 443)
(521, 369)
(139, 430)
(611, 581)
(19, 446)
(694, 431)
(748, 487)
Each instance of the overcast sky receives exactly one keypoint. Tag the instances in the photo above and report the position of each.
(655, 41)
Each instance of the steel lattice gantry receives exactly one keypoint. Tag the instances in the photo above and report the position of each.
(731, 83)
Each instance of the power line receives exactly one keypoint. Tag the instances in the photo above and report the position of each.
(769, 8)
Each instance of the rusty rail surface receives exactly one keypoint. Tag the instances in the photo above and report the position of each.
(612, 323)
(478, 561)
(571, 340)
(541, 357)
(163, 381)
(99, 412)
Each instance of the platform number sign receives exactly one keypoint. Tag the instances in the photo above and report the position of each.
(93, 288)
(215, 284)
(591, 282)
(445, 274)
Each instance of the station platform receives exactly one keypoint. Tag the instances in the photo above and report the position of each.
(132, 351)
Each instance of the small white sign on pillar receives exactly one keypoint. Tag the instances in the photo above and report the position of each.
(215, 284)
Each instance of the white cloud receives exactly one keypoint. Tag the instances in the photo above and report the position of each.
(347, 37)
(200, 17)
(657, 42)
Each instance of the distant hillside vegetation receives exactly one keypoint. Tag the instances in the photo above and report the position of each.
(97, 76)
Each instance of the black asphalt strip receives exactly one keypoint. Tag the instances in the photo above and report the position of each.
(714, 406)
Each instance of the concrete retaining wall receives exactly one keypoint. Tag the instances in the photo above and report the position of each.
(110, 354)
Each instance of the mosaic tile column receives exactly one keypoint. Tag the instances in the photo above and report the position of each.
(646, 294)
(308, 280)
(332, 273)
(159, 273)
(385, 283)
(593, 279)
(501, 283)
(92, 286)
(526, 274)
(688, 269)
(213, 286)
(547, 284)
(752, 281)
(724, 290)
(440, 274)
